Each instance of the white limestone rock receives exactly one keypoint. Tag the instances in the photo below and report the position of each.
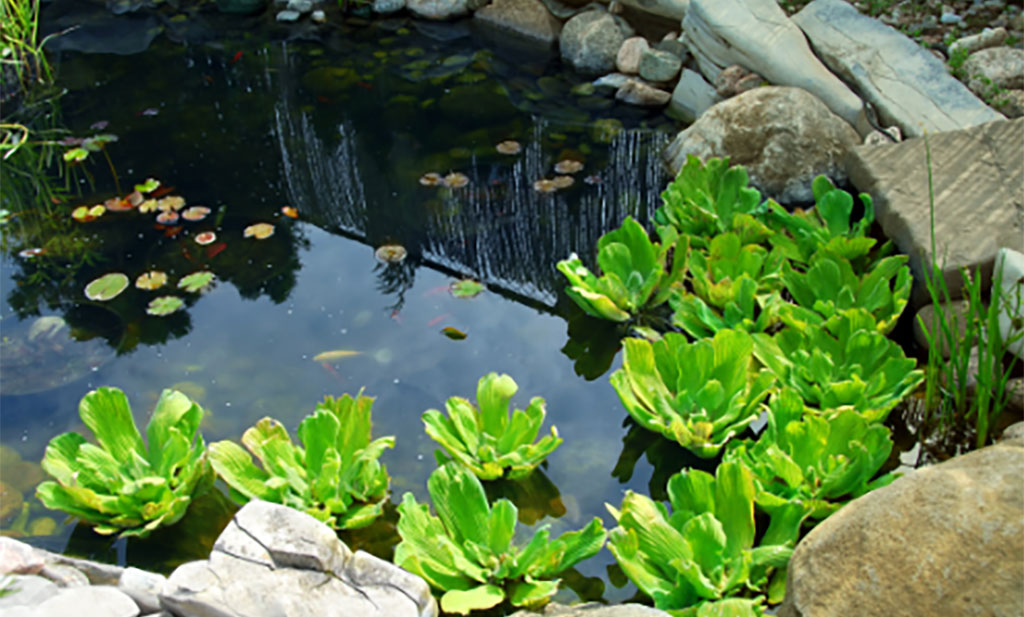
(691, 97)
(1011, 314)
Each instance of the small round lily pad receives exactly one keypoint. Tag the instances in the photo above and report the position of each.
(260, 231)
(154, 279)
(466, 289)
(164, 305)
(106, 287)
(197, 281)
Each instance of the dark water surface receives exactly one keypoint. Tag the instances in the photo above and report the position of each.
(341, 132)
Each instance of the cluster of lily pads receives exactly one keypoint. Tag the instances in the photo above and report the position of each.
(742, 310)
(564, 169)
(467, 552)
(148, 197)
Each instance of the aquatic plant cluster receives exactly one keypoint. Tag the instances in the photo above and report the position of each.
(773, 314)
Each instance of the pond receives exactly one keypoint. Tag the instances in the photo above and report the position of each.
(341, 131)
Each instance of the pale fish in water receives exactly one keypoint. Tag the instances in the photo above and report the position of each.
(335, 354)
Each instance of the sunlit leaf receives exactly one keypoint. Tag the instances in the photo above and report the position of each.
(150, 185)
(195, 213)
(164, 305)
(453, 333)
(466, 289)
(205, 237)
(76, 155)
(107, 286)
(147, 206)
(171, 202)
(151, 280)
(260, 231)
(84, 214)
(197, 281)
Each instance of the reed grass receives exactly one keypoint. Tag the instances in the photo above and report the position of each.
(950, 399)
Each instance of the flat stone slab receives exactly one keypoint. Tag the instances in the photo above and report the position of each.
(978, 178)
(908, 86)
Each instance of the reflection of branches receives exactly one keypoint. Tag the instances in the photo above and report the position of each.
(666, 456)
(395, 278)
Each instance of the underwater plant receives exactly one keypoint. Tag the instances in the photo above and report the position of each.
(701, 559)
(817, 462)
(123, 485)
(699, 394)
(635, 278)
(336, 477)
(845, 363)
(489, 441)
(466, 551)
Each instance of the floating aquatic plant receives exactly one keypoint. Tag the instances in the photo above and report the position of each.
(153, 279)
(545, 186)
(150, 185)
(431, 179)
(563, 182)
(260, 231)
(290, 212)
(195, 213)
(509, 147)
(116, 204)
(568, 166)
(391, 253)
(106, 287)
(196, 282)
(466, 289)
(456, 180)
(76, 155)
(171, 202)
(148, 206)
(164, 305)
(168, 217)
(84, 214)
(205, 237)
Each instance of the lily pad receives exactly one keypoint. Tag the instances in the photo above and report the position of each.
(148, 206)
(509, 147)
(150, 185)
(171, 202)
(164, 305)
(391, 253)
(76, 155)
(197, 281)
(456, 180)
(260, 231)
(195, 213)
(153, 279)
(466, 289)
(568, 166)
(167, 217)
(106, 287)
(205, 237)
(84, 214)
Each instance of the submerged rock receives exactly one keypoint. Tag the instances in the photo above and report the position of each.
(35, 358)
(590, 42)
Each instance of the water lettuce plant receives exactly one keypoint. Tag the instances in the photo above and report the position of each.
(708, 198)
(700, 559)
(845, 363)
(635, 276)
(828, 226)
(489, 441)
(700, 394)
(122, 485)
(817, 462)
(830, 285)
(337, 477)
(466, 552)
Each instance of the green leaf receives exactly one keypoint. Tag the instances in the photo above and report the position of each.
(76, 155)
(105, 411)
(530, 593)
(478, 598)
(466, 288)
(164, 305)
(150, 185)
(196, 282)
(106, 287)
(461, 503)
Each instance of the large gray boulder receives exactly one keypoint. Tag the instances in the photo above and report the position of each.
(528, 19)
(437, 9)
(784, 136)
(757, 35)
(590, 42)
(909, 86)
(273, 561)
(978, 181)
(1011, 309)
(992, 70)
(944, 540)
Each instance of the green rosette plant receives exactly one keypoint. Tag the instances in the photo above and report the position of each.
(830, 285)
(489, 441)
(845, 363)
(466, 552)
(827, 226)
(817, 462)
(122, 485)
(635, 278)
(699, 394)
(734, 285)
(337, 477)
(706, 199)
(700, 559)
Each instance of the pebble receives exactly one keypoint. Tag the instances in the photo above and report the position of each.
(288, 16)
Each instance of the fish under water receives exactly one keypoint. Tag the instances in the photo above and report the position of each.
(335, 354)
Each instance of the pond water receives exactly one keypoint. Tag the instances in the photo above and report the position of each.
(341, 131)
